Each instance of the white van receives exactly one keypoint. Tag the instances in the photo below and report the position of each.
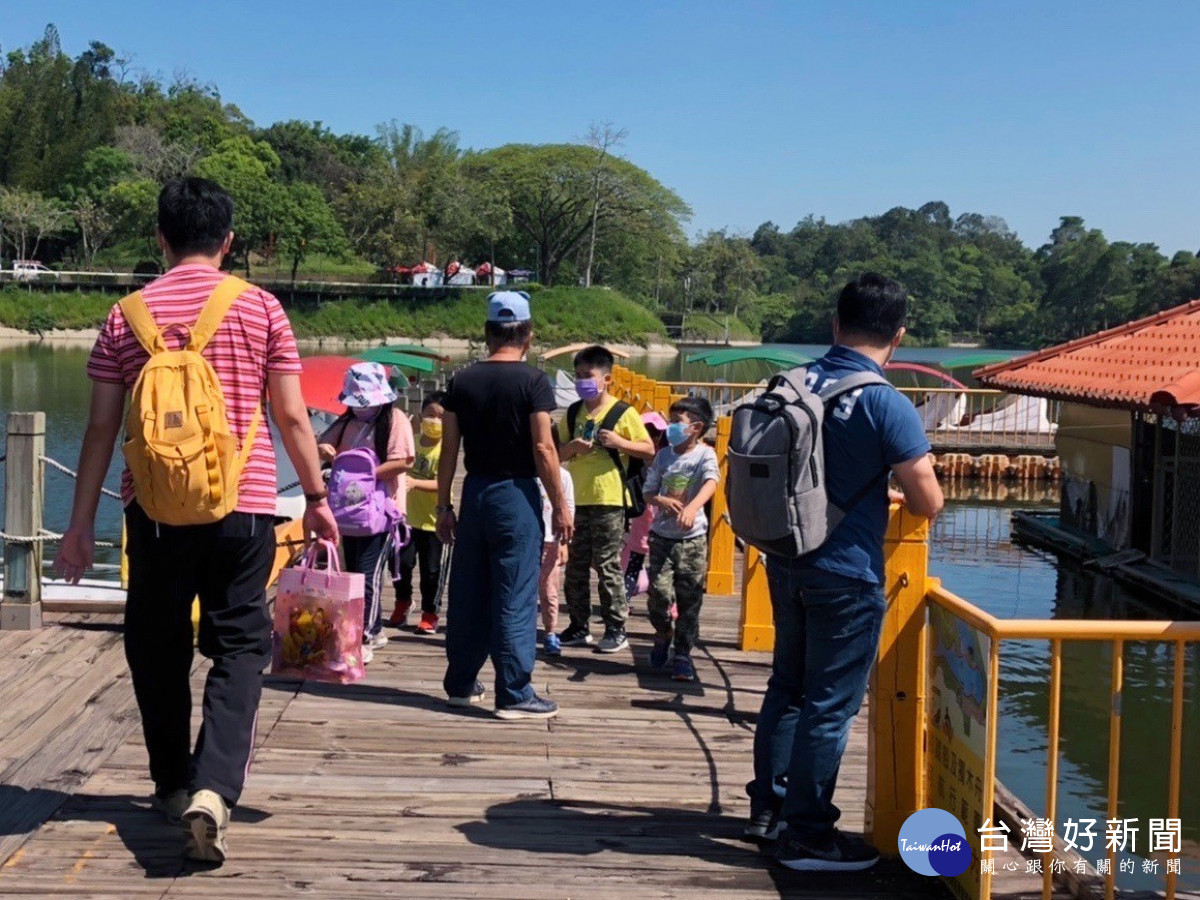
(31, 270)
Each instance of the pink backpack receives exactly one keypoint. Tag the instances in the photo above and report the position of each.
(361, 506)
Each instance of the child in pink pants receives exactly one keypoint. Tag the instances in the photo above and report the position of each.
(554, 555)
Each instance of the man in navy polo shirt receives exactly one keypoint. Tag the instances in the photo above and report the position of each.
(829, 604)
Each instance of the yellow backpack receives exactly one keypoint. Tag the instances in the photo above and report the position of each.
(184, 458)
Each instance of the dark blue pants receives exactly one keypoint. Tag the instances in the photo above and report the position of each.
(826, 640)
(369, 557)
(494, 587)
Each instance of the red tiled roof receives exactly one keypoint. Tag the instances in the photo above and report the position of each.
(1150, 364)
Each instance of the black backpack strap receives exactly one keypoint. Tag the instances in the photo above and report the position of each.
(572, 418)
(608, 423)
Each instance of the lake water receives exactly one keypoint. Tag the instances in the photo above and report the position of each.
(971, 553)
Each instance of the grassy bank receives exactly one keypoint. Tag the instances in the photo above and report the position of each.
(561, 315)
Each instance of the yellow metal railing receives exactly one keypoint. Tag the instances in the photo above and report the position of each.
(905, 738)
(645, 394)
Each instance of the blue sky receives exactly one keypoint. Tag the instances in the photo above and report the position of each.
(750, 110)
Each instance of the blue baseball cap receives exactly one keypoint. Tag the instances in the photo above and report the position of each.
(508, 306)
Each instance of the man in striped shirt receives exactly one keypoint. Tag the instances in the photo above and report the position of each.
(226, 563)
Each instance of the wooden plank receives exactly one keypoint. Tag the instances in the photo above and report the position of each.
(379, 790)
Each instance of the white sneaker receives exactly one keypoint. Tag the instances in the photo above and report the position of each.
(367, 654)
(378, 640)
(206, 820)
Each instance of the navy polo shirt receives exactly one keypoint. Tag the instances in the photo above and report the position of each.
(867, 431)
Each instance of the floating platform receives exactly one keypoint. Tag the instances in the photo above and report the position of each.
(1131, 568)
(997, 466)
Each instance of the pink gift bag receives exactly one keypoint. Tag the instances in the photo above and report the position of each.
(319, 620)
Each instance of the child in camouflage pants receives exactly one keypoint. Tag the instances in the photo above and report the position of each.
(680, 481)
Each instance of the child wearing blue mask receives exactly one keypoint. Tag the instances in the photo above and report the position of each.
(680, 481)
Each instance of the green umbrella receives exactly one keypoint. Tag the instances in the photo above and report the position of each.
(389, 357)
(418, 350)
(776, 356)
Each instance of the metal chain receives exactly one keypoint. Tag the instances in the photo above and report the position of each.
(55, 464)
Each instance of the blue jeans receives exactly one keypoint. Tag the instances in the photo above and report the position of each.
(826, 640)
(494, 587)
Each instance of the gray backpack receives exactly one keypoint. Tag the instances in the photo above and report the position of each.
(776, 480)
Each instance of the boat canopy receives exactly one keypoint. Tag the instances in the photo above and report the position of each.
(418, 350)
(389, 357)
(948, 380)
(321, 379)
(983, 358)
(775, 356)
(575, 348)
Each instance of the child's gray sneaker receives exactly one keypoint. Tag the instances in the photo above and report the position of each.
(613, 641)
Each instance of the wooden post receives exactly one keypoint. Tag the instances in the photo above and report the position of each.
(896, 716)
(758, 622)
(21, 608)
(720, 544)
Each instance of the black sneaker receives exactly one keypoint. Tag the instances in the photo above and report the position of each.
(534, 708)
(576, 636)
(614, 640)
(763, 827)
(837, 853)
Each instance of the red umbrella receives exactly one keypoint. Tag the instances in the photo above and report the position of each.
(321, 380)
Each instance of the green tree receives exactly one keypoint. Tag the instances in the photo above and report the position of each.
(551, 190)
(53, 110)
(28, 217)
(308, 226)
(244, 167)
(132, 205)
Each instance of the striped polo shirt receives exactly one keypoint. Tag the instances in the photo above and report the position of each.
(254, 338)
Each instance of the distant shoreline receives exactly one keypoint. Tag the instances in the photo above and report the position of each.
(76, 337)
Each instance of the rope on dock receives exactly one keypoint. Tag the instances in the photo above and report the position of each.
(45, 537)
(55, 464)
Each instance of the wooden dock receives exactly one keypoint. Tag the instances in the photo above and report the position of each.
(378, 790)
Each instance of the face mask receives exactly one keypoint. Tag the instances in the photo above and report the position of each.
(677, 433)
(365, 415)
(432, 429)
(587, 388)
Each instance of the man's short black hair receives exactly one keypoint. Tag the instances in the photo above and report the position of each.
(507, 334)
(595, 358)
(872, 307)
(438, 397)
(194, 215)
(695, 408)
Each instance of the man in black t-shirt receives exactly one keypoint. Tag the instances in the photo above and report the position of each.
(499, 409)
